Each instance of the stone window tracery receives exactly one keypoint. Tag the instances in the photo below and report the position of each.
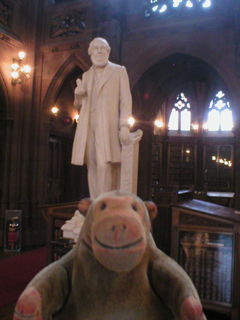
(162, 7)
(180, 117)
(220, 114)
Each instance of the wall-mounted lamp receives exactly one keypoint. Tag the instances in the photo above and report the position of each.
(75, 120)
(222, 161)
(131, 121)
(158, 127)
(19, 71)
(158, 123)
(55, 110)
(195, 127)
(54, 114)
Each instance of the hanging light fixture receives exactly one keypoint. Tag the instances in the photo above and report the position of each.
(19, 70)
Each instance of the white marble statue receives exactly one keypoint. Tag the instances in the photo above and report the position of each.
(105, 102)
(71, 229)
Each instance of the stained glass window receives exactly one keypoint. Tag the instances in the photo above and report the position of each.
(168, 6)
(219, 114)
(180, 117)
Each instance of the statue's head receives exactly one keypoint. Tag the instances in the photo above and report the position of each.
(99, 51)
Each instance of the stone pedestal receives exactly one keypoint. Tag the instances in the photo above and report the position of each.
(129, 164)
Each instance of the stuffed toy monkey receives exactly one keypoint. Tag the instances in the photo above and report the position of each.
(115, 272)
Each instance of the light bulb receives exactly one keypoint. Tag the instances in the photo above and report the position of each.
(158, 123)
(21, 55)
(15, 66)
(131, 121)
(15, 74)
(26, 69)
(195, 126)
(54, 110)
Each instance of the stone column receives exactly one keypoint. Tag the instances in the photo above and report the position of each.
(6, 174)
(129, 163)
(47, 126)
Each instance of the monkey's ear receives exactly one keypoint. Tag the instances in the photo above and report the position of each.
(84, 204)
(152, 209)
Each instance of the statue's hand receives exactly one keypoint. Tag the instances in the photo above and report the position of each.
(79, 89)
(79, 92)
(124, 135)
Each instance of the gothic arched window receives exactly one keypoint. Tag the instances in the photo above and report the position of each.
(219, 114)
(180, 117)
(163, 6)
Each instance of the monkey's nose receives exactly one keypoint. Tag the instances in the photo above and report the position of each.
(118, 231)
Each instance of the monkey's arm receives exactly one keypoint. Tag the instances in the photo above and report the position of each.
(172, 284)
(47, 292)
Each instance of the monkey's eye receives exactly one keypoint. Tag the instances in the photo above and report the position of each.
(134, 207)
(103, 206)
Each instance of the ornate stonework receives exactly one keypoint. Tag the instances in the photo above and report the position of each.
(68, 24)
(6, 12)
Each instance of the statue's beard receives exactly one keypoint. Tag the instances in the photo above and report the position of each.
(99, 62)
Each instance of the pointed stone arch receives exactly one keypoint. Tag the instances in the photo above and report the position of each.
(5, 93)
(63, 72)
(149, 58)
(6, 127)
(54, 90)
(163, 78)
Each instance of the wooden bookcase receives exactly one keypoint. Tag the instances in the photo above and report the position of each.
(205, 242)
(182, 164)
(218, 167)
(199, 160)
(156, 165)
(56, 215)
(164, 196)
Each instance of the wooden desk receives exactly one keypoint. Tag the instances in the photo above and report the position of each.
(222, 198)
(218, 194)
(164, 197)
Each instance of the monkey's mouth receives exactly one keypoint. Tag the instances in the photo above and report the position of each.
(126, 246)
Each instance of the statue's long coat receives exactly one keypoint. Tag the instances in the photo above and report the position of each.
(114, 107)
